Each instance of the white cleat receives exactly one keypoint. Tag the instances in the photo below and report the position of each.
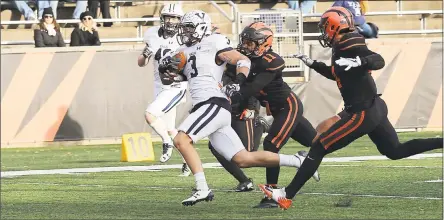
(278, 195)
(198, 196)
(302, 155)
(167, 151)
(186, 171)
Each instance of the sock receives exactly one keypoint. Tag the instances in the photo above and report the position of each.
(272, 175)
(201, 182)
(304, 173)
(160, 128)
(173, 133)
(231, 167)
(307, 169)
(289, 161)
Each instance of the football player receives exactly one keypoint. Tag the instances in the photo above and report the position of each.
(365, 113)
(161, 113)
(266, 83)
(206, 56)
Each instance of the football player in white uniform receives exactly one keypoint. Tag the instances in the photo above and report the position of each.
(161, 113)
(206, 55)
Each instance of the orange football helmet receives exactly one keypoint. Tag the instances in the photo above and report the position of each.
(336, 20)
(255, 39)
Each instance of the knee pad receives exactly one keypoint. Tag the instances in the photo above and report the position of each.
(268, 146)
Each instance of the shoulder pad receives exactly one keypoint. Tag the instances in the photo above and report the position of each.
(350, 41)
(150, 33)
(272, 62)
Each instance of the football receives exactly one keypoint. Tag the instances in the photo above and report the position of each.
(179, 59)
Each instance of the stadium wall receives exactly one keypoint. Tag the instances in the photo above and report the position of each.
(97, 93)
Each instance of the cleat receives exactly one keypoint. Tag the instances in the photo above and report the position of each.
(185, 170)
(245, 186)
(167, 151)
(278, 195)
(198, 196)
(301, 155)
(266, 203)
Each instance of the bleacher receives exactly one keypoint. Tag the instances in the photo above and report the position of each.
(147, 9)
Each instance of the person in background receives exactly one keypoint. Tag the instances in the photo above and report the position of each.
(26, 11)
(358, 8)
(305, 5)
(80, 8)
(42, 4)
(93, 5)
(86, 33)
(48, 33)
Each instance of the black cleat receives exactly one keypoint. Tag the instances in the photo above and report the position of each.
(245, 186)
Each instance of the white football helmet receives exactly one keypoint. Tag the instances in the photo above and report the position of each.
(170, 16)
(193, 27)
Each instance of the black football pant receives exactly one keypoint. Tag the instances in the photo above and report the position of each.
(288, 123)
(353, 125)
(250, 132)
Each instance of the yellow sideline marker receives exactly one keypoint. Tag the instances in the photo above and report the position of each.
(137, 147)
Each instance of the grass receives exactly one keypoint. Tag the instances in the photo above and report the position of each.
(399, 192)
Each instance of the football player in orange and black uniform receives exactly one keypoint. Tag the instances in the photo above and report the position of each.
(365, 113)
(265, 82)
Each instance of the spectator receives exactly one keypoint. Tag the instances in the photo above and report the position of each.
(48, 34)
(86, 33)
(305, 5)
(42, 4)
(354, 6)
(80, 8)
(26, 11)
(93, 5)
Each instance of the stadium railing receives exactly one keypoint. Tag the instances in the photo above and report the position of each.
(141, 21)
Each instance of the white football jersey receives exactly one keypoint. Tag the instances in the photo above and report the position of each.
(160, 46)
(203, 74)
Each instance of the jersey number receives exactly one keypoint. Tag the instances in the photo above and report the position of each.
(160, 53)
(192, 59)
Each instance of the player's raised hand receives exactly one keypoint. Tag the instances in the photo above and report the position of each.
(349, 62)
(247, 114)
(304, 58)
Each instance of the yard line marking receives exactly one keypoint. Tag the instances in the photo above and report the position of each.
(7, 174)
(231, 190)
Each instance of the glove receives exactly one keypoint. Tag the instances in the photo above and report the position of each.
(349, 62)
(147, 52)
(247, 114)
(230, 89)
(304, 58)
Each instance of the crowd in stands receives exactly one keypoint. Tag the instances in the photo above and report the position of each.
(47, 34)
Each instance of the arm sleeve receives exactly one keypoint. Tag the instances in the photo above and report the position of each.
(323, 69)
(374, 61)
(38, 38)
(249, 89)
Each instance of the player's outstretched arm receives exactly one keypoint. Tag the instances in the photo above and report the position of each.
(242, 63)
(319, 67)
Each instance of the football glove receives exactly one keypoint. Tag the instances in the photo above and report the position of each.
(247, 114)
(304, 58)
(147, 52)
(349, 62)
(230, 89)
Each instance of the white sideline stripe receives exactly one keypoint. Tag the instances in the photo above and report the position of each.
(230, 190)
(176, 166)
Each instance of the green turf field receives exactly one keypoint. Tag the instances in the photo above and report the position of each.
(380, 189)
